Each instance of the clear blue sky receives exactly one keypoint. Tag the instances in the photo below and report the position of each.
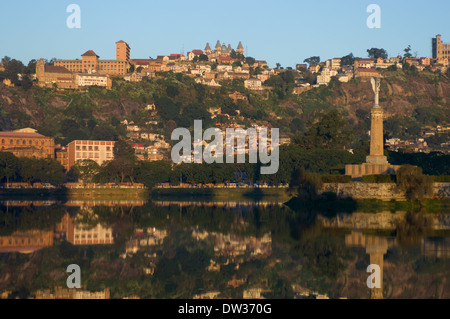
(284, 31)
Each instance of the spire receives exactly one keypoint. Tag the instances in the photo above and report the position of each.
(207, 48)
(240, 46)
(218, 45)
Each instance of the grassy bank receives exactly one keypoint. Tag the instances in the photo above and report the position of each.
(228, 193)
(78, 193)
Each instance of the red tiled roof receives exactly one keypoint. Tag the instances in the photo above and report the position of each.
(20, 134)
(197, 52)
(55, 69)
(137, 145)
(89, 53)
(141, 61)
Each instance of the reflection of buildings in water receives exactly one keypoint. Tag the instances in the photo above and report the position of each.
(358, 220)
(224, 204)
(382, 220)
(79, 234)
(436, 247)
(67, 293)
(109, 203)
(144, 239)
(75, 203)
(26, 241)
(231, 246)
(28, 203)
(254, 293)
(376, 247)
(207, 295)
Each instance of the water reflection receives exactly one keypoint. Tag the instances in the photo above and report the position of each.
(219, 249)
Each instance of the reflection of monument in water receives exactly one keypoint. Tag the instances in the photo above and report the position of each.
(376, 247)
(376, 161)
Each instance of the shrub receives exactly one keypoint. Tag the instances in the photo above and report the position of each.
(414, 183)
(336, 178)
(379, 179)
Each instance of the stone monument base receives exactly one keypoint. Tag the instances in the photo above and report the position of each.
(376, 159)
(359, 170)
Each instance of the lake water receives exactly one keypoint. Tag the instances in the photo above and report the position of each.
(203, 248)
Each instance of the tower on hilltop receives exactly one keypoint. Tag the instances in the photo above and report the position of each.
(122, 51)
(240, 48)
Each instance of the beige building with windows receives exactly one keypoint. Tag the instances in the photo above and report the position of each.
(90, 62)
(27, 143)
(98, 151)
(93, 79)
(441, 50)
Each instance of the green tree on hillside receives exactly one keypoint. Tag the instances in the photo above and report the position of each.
(376, 53)
(314, 60)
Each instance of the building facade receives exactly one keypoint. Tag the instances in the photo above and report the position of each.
(93, 79)
(441, 50)
(98, 151)
(49, 75)
(90, 62)
(27, 143)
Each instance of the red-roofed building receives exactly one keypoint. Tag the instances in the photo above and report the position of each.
(90, 62)
(27, 143)
(191, 55)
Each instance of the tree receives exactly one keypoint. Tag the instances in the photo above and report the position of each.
(326, 130)
(349, 59)
(104, 132)
(308, 184)
(250, 61)
(314, 60)
(87, 169)
(414, 183)
(376, 53)
(124, 161)
(407, 52)
(203, 57)
(9, 166)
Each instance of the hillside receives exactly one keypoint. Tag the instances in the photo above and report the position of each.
(413, 99)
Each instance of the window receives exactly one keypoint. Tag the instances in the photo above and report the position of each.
(78, 147)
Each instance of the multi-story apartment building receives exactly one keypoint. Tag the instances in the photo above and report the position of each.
(27, 143)
(98, 151)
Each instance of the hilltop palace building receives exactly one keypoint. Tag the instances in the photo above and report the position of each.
(441, 51)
